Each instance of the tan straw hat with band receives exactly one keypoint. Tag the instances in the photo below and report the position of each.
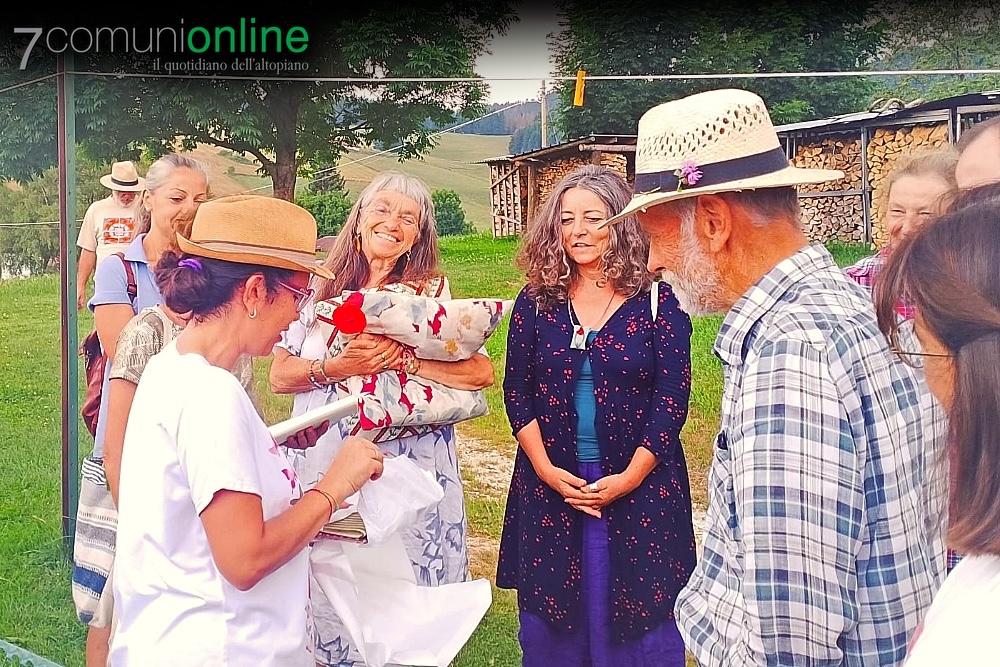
(123, 178)
(251, 229)
(716, 141)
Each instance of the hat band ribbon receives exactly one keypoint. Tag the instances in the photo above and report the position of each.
(714, 173)
(263, 250)
(127, 183)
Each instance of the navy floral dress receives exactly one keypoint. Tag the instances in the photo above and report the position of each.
(642, 380)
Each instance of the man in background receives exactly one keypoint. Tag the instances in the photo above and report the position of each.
(979, 155)
(110, 223)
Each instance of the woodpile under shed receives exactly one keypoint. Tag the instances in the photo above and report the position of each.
(520, 184)
(826, 213)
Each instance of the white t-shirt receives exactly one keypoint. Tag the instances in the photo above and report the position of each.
(961, 625)
(193, 431)
(108, 227)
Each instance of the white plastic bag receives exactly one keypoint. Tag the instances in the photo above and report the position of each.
(389, 619)
(403, 493)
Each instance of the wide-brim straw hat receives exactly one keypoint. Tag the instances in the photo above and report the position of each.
(123, 177)
(716, 141)
(252, 229)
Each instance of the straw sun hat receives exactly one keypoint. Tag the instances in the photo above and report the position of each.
(251, 229)
(124, 178)
(716, 141)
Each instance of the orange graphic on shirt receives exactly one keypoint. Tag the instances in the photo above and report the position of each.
(117, 230)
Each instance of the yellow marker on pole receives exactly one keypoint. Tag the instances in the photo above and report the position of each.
(578, 94)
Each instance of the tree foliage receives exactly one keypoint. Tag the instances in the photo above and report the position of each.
(329, 208)
(526, 139)
(939, 34)
(283, 124)
(27, 241)
(449, 213)
(641, 37)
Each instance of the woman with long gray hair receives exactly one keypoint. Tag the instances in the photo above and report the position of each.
(597, 536)
(388, 242)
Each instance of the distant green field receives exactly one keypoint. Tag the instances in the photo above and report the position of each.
(453, 164)
(449, 165)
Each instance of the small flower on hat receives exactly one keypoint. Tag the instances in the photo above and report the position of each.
(687, 175)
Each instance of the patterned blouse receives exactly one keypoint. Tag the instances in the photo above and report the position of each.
(642, 380)
(149, 332)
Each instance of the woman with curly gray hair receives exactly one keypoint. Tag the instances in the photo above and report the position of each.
(597, 536)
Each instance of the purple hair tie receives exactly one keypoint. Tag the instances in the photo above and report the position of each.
(190, 263)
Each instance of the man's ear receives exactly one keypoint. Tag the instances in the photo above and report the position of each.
(713, 220)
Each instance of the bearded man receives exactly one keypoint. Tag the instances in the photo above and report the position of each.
(823, 537)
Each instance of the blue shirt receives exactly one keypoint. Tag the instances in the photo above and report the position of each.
(588, 450)
(823, 541)
(111, 287)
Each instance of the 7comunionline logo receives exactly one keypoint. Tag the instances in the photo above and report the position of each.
(243, 37)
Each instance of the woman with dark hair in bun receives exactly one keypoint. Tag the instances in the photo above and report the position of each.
(213, 525)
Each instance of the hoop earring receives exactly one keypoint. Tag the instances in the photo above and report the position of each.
(253, 314)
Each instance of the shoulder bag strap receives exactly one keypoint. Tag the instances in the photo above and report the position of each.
(654, 298)
(131, 287)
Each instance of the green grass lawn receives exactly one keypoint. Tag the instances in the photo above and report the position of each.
(36, 610)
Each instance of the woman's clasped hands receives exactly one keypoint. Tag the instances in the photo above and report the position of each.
(588, 497)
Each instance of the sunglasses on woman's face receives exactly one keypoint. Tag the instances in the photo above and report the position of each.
(304, 295)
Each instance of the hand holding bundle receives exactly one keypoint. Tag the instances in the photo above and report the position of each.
(394, 403)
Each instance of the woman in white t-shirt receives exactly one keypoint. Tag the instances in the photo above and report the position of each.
(213, 525)
(948, 271)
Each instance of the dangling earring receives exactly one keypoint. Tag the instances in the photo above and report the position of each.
(253, 314)
(357, 241)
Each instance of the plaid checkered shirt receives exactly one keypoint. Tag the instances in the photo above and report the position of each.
(823, 538)
(866, 270)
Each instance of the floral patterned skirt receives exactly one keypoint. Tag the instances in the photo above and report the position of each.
(435, 545)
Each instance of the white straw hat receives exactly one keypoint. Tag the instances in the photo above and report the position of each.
(124, 178)
(716, 141)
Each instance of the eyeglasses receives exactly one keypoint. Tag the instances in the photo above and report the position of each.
(915, 359)
(384, 211)
(304, 295)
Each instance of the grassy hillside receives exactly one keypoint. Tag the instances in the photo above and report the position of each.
(452, 164)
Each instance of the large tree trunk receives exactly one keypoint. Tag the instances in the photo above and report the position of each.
(284, 108)
(283, 175)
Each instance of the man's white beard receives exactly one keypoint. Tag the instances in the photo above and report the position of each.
(698, 285)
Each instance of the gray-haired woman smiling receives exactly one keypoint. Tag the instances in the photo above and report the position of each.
(388, 242)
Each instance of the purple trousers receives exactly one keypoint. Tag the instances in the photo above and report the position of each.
(592, 644)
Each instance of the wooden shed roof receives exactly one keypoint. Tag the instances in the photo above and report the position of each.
(601, 142)
(926, 111)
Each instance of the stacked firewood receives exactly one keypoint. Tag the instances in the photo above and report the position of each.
(617, 162)
(550, 174)
(832, 217)
(886, 146)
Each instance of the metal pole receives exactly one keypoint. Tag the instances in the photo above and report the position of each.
(545, 118)
(66, 139)
(866, 189)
